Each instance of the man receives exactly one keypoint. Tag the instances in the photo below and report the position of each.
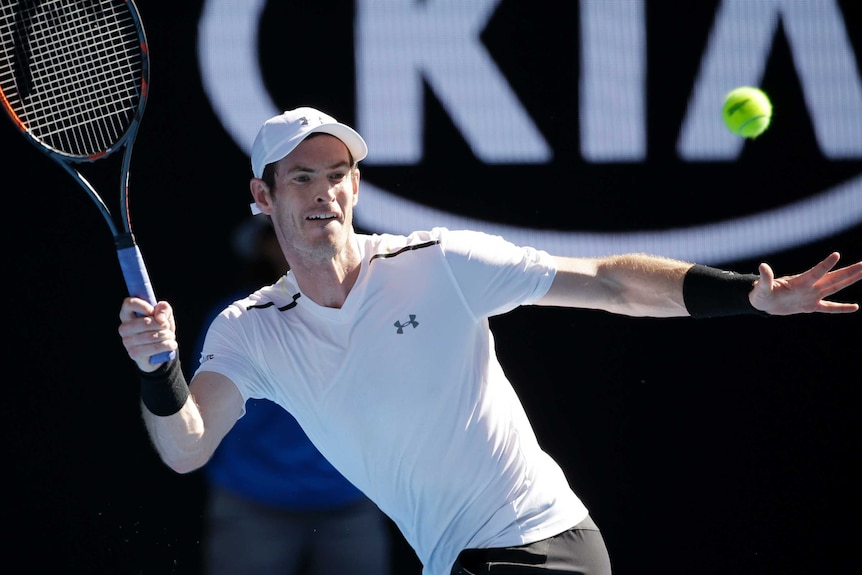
(380, 347)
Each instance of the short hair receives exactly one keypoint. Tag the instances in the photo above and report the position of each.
(268, 175)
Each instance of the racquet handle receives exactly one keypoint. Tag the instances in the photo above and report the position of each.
(138, 284)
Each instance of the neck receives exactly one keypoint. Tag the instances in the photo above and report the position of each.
(328, 282)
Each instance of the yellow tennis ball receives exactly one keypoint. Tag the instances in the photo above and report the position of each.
(747, 111)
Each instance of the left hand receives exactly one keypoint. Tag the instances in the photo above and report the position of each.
(805, 292)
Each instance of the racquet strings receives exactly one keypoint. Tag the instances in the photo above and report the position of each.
(72, 72)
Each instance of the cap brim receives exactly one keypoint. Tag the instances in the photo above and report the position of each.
(351, 138)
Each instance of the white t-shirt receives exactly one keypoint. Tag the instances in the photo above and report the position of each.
(401, 390)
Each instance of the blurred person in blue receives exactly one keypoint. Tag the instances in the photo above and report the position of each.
(274, 505)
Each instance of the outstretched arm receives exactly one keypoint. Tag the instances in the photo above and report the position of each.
(642, 285)
(633, 284)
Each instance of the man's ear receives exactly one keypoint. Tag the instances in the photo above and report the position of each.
(260, 194)
(355, 179)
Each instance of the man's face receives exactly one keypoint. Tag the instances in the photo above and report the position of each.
(313, 198)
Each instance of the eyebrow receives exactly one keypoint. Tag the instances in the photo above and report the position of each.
(303, 168)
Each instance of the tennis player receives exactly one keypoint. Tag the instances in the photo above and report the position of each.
(379, 345)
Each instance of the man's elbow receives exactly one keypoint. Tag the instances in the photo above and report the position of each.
(184, 463)
(183, 455)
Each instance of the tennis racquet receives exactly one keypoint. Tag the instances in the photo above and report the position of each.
(74, 76)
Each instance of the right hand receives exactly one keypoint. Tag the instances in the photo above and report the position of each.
(147, 330)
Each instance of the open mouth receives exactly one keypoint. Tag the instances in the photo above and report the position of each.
(321, 217)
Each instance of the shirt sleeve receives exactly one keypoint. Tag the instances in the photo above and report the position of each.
(495, 275)
(227, 351)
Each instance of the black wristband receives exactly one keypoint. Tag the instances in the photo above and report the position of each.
(710, 292)
(164, 391)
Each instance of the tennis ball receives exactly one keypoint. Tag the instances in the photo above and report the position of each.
(747, 111)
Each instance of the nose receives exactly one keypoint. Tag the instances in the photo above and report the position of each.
(325, 192)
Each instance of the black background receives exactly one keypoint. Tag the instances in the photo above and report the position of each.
(728, 445)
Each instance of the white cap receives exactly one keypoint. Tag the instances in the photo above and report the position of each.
(280, 135)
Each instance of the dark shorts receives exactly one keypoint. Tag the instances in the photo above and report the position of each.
(581, 550)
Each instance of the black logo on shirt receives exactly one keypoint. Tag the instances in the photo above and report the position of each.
(412, 321)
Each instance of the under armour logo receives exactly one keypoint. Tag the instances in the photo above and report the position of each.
(303, 121)
(412, 321)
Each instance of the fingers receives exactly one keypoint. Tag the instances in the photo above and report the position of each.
(836, 307)
(163, 313)
(835, 281)
(824, 266)
(806, 292)
(846, 276)
(828, 282)
(822, 277)
(830, 261)
(763, 287)
(766, 273)
(146, 330)
(133, 307)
